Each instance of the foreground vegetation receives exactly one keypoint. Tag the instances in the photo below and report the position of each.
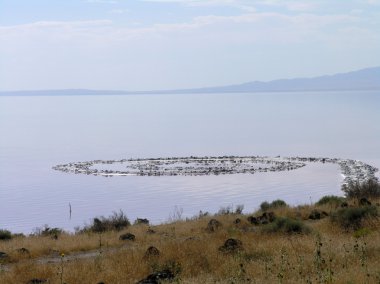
(336, 240)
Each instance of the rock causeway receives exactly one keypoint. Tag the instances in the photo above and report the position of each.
(352, 170)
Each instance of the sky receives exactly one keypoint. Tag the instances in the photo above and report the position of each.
(172, 44)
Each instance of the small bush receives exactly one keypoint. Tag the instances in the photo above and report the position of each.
(330, 200)
(363, 232)
(265, 206)
(367, 189)
(351, 218)
(52, 232)
(202, 214)
(226, 210)
(46, 231)
(141, 221)
(115, 222)
(278, 203)
(5, 235)
(18, 235)
(286, 225)
(239, 209)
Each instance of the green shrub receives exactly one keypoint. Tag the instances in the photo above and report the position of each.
(5, 235)
(278, 203)
(47, 231)
(52, 232)
(265, 206)
(363, 232)
(367, 189)
(117, 222)
(351, 218)
(330, 200)
(286, 225)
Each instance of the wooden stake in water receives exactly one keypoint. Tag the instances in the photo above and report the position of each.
(70, 209)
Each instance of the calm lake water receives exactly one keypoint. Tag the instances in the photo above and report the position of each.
(39, 132)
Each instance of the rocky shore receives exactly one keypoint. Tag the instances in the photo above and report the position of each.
(353, 170)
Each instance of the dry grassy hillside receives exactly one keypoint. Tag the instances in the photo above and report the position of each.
(334, 241)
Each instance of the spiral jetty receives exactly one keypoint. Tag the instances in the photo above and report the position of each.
(352, 170)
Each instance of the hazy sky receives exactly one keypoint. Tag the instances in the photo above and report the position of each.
(164, 44)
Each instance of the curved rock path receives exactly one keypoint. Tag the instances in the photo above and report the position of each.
(353, 170)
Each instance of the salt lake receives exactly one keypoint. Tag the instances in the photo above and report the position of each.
(39, 132)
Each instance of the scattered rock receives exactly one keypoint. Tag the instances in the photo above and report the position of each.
(151, 252)
(317, 214)
(140, 221)
(237, 221)
(269, 216)
(23, 251)
(150, 231)
(253, 220)
(364, 202)
(37, 281)
(265, 218)
(231, 246)
(157, 277)
(213, 225)
(127, 237)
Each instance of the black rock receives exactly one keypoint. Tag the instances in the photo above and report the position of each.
(253, 220)
(156, 277)
(23, 251)
(268, 216)
(213, 225)
(364, 202)
(37, 281)
(265, 218)
(142, 221)
(151, 252)
(317, 214)
(127, 237)
(150, 231)
(231, 245)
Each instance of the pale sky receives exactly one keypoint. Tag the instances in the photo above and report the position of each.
(169, 44)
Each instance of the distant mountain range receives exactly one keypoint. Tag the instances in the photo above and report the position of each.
(364, 79)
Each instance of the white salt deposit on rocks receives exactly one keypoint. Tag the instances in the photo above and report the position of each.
(353, 170)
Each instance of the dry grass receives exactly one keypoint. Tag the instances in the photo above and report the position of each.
(328, 254)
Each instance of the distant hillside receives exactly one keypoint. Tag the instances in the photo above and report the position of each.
(364, 79)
